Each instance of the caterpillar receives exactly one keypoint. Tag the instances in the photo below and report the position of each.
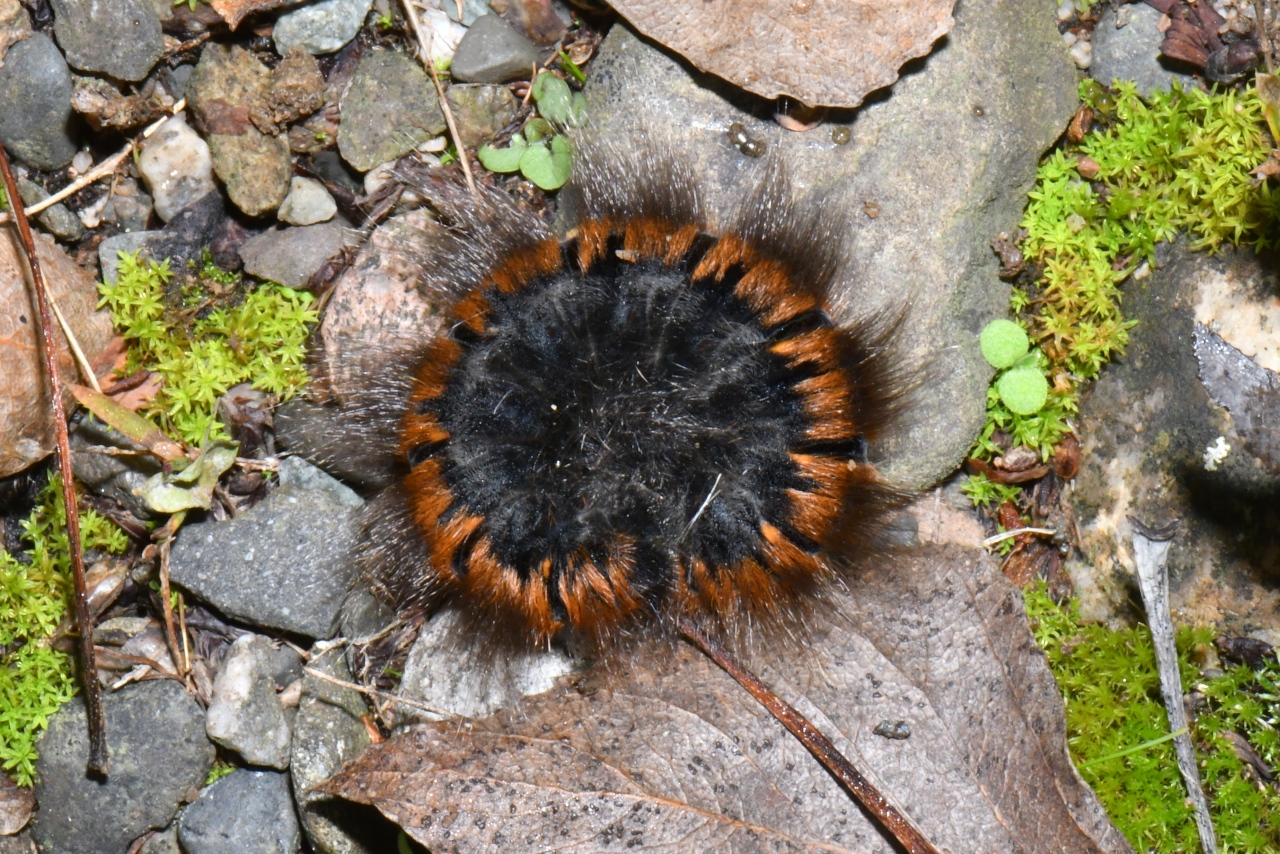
(649, 417)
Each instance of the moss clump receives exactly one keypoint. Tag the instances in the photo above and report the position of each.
(1177, 162)
(34, 678)
(203, 334)
(1112, 691)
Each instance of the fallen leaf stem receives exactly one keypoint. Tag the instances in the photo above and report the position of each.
(893, 819)
(49, 350)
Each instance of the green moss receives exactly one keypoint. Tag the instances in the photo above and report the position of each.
(204, 333)
(1178, 162)
(1112, 691)
(35, 680)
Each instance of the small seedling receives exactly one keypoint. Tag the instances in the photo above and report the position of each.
(542, 154)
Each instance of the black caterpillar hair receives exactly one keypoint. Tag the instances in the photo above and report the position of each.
(652, 418)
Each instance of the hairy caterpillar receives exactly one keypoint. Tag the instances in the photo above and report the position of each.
(649, 419)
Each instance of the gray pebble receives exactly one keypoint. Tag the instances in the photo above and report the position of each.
(120, 39)
(320, 27)
(493, 52)
(35, 104)
(1132, 52)
(246, 812)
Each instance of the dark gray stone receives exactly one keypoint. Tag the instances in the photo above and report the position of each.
(291, 256)
(493, 51)
(246, 812)
(282, 564)
(183, 239)
(320, 27)
(120, 39)
(35, 104)
(1146, 427)
(59, 221)
(245, 715)
(944, 160)
(389, 108)
(151, 770)
(1132, 52)
(327, 733)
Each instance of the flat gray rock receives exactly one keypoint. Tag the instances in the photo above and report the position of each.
(283, 564)
(246, 812)
(35, 104)
(493, 51)
(1132, 52)
(120, 39)
(320, 27)
(933, 170)
(1250, 392)
(151, 770)
(388, 109)
(291, 256)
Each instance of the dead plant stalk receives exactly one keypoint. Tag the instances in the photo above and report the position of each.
(49, 350)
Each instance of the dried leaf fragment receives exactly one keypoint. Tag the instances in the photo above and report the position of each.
(662, 751)
(827, 53)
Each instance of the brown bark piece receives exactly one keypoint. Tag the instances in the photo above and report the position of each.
(824, 53)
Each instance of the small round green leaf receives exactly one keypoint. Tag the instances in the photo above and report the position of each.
(1023, 390)
(1003, 342)
(554, 98)
(537, 130)
(503, 159)
(547, 167)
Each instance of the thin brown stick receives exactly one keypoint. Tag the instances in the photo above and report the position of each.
(424, 56)
(166, 542)
(893, 820)
(49, 348)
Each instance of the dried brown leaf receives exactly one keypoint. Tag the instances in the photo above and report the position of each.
(26, 426)
(828, 53)
(662, 751)
(16, 805)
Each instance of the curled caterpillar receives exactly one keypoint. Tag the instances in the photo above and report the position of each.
(649, 419)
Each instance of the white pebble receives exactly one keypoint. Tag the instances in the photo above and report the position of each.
(435, 145)
(308, 202)
(1066, 10)
(1069, 37)
(445, 34)
(177, 167)
(1082, 54)
(377, 176)
(82, 162)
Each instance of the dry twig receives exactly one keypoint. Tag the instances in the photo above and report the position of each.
(49, 349)
(424, 56)
(889, 816)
